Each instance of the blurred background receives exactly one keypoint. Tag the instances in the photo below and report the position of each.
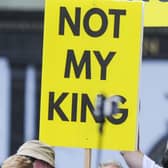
(21, 39)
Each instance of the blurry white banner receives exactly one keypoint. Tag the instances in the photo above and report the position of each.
(154, 103)
(5, 80)
(30, 102)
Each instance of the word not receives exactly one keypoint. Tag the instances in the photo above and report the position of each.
(76, 25)
(55, 106)
(86, 60)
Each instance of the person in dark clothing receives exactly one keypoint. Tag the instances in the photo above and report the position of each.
(164, 160)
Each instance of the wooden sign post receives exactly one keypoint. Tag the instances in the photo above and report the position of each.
(88, 158)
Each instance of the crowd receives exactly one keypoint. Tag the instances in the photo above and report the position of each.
(35, 154)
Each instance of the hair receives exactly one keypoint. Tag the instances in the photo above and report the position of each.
(165, 159)
(16, 161)
(114, 163)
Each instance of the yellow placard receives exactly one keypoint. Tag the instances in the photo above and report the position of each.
(90, 48)
(156, 13)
